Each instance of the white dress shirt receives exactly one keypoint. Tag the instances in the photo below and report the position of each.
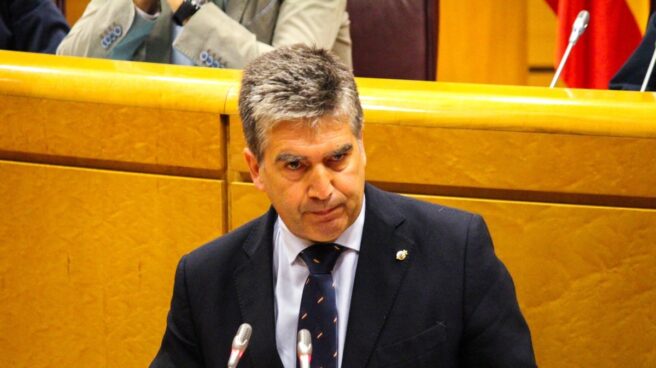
(290, 273)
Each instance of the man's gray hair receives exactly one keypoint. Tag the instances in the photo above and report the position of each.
(296, 83)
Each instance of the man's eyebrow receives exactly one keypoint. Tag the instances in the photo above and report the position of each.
(348, 147)
(289, 157)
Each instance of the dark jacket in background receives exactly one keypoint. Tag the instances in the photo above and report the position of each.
(633, 72)
(31, 25)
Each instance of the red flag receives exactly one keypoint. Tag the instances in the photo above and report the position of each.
(611, 37)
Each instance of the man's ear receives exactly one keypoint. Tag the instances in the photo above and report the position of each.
(254, 168)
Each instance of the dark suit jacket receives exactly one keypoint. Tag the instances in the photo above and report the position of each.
(31, 25)
(633, 72)
(451, 303)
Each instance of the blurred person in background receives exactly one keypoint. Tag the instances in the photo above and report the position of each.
(633, 72)
(31, 25)
(216, 33)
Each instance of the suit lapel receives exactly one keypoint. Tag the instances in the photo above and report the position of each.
(378, 277)
(254, 281)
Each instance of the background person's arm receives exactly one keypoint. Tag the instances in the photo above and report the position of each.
(210, 30)
(110, 29)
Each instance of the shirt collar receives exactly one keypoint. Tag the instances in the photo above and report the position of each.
(350, 238)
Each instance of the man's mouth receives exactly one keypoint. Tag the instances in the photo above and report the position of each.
(325, 213)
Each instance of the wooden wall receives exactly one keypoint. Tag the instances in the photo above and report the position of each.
(482, 41)
(107, 176)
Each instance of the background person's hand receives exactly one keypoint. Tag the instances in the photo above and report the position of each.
(149, 6)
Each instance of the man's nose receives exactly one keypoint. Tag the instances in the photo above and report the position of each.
(321, 186)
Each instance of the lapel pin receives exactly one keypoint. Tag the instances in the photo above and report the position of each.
(401, 255)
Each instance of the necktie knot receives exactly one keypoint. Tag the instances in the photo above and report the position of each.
(320, 258)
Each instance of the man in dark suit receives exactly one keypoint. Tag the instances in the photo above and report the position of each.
(634, 70)
(31, 25)
(413, 284)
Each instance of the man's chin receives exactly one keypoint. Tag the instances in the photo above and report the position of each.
(325, 233)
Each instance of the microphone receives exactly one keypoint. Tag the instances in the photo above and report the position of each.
(649, 71)
(304, 348)
(579, 26)
(239, 344)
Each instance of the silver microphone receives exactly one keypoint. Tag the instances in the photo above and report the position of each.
(239, 344)
(304, 348)
(578, 28)
(650, 70)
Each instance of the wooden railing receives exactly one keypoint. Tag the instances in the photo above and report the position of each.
(109, 171)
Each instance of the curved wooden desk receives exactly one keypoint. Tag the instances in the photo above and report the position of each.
(110, 170)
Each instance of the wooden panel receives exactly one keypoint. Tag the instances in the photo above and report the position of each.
(236, 145)
(531, 162)
(543, 79)
(124, 83)
(88, 258)
(508, 108)
(245, 203)
(541, 28)
(112, 136)
(478, 162)
(584, 274)
(482, 41)
(115, 115)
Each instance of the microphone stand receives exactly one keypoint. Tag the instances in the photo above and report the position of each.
(561, 65)
(650, 70)
(579, 26)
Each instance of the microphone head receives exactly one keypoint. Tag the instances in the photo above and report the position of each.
(243, 336)
(579, 26)
(304, 345)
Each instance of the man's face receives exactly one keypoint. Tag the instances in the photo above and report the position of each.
(313, 177)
